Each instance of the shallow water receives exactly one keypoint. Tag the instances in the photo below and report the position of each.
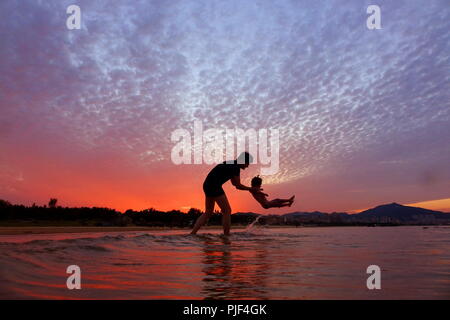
(260, 263)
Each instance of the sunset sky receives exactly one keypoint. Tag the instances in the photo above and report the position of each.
(86, 115)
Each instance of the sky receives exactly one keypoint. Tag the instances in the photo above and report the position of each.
(87, 115)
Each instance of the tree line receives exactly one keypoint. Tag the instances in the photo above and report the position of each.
(52, 214)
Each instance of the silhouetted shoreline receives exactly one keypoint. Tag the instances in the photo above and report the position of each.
(28, 219)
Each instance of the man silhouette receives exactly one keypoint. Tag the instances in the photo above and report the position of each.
(227, 170)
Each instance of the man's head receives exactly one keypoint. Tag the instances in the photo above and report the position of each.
(256, 181)
(244, 160)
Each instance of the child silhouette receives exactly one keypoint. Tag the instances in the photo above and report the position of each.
(261, 197)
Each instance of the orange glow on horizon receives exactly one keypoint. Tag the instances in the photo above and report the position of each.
(112, 182)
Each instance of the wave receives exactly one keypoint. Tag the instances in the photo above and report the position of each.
(109, 242)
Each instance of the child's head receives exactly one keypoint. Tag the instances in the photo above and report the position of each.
(256, 181)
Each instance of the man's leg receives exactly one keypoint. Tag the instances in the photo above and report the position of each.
(209, 209)
(225, 208)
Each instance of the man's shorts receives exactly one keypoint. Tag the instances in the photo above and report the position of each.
(213, 190)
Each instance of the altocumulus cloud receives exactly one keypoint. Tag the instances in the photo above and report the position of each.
(344, 98)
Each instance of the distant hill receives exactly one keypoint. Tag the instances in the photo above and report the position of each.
(246, 214)
(388, 213)
(310, 215)
(402, 213)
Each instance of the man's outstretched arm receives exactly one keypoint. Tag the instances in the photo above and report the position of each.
(236, 181)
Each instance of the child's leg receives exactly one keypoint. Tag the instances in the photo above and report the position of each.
(278, 203)
(287, 200)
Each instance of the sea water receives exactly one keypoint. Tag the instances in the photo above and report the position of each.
(257, 263)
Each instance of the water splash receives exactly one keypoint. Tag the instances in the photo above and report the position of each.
(250, 226)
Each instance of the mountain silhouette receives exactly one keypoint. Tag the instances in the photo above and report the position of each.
(311, 215)
(386, 213)
(402, 213)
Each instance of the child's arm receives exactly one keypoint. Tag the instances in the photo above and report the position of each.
(236, 182)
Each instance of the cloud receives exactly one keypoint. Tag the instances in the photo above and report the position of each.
(344, 97)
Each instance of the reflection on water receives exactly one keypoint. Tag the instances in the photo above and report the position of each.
(281, 263)
(229, 276)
